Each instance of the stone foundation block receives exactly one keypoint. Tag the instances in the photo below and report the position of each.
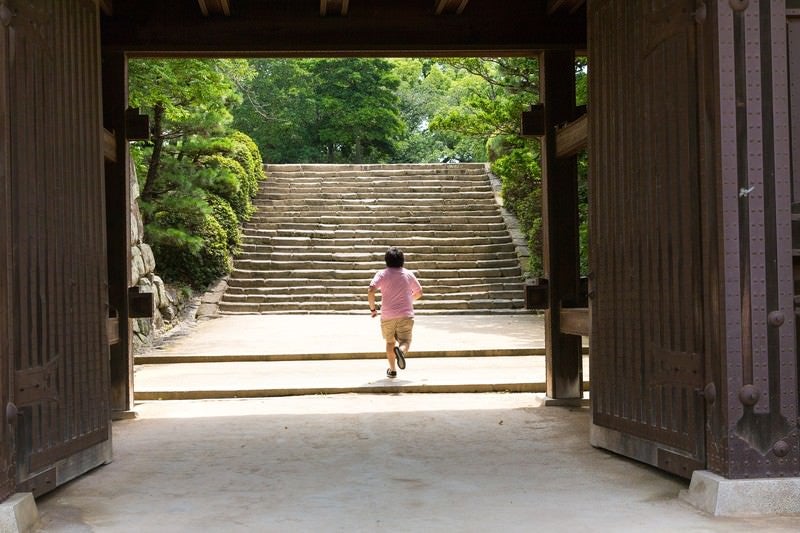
(18, 514)
(719, 496)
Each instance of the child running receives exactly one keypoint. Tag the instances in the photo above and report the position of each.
(399, 290)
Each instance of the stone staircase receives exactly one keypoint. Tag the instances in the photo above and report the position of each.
(320, 233)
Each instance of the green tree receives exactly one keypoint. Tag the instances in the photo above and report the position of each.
(322, 110)
(194, 172)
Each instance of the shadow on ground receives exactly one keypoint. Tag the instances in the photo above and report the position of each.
(411, 462)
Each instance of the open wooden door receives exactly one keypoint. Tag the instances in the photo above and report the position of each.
(647, 360)
(56, 309)
(7, 477)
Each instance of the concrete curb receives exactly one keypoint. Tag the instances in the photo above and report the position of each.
(238, 358)
(388, 388)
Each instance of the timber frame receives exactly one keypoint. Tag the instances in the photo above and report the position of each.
(690, 306)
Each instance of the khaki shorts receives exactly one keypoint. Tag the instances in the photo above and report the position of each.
(398, 329)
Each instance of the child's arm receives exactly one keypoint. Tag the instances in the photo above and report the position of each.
(371, 300)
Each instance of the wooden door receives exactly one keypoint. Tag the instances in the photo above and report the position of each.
(57, 284)
(7, 478)
(647, 360)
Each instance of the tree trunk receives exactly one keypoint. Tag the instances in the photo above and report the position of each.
(148, 191)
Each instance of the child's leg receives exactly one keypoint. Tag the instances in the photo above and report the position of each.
(390, 355)
(404, 334)
(389, 333)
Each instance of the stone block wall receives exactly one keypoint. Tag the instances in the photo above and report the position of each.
(168, 302)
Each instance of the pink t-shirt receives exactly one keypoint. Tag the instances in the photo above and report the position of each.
(397, 285)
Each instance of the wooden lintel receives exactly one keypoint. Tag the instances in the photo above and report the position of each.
(109, 146)
(454, 6)
(215, 7)
(532, 122)
(576, 321)
(294, 29)
(572, 137)
(333, 7)
(570, 6)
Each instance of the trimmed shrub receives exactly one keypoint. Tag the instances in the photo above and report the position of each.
(190, 247)
(232, 184)
(224, 214)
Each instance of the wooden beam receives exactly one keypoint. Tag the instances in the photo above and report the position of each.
(337, 7)
(215, 7)
(576, 321)
(570, 6)
(572, 137)
(451, 6)
(296, 29)
(109, 146)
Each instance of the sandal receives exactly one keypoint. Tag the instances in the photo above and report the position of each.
(401, 357)
(391, 373)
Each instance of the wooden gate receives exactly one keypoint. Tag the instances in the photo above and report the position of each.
(647, 363)
(7, 481)
(53, 241)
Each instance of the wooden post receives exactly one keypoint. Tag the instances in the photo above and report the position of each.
(560, 226)
(115, 101)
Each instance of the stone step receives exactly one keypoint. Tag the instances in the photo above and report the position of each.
(395, 228)
(346, 295)
(344, 219)
(376, 243)
(420, 306)
(428, 274)
(443, 285)
(380, 210)
(338, 203)
(339, 167)
(350, 171)
(419, 266)
(359, 289)
(477, 251)
(374, 187)
(372, 196)
(293, 254)
(385, 235)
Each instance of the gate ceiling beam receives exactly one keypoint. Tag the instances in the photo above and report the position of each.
(568, 6)
(333, 7)
(293, 29)
(215, 7)
(451, 6)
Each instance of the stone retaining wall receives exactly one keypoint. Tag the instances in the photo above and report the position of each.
(169, 303)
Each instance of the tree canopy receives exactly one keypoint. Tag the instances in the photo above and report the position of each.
(322, 110)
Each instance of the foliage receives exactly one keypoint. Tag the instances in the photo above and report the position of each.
(490, 95)
(322, 110)
(196, 256)
(197, 176)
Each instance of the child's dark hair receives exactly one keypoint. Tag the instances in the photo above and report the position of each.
(394, 257)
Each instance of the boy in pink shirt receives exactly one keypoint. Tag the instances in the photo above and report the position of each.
(399, 289)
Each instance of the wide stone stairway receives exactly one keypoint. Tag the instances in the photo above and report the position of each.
(320, 232)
